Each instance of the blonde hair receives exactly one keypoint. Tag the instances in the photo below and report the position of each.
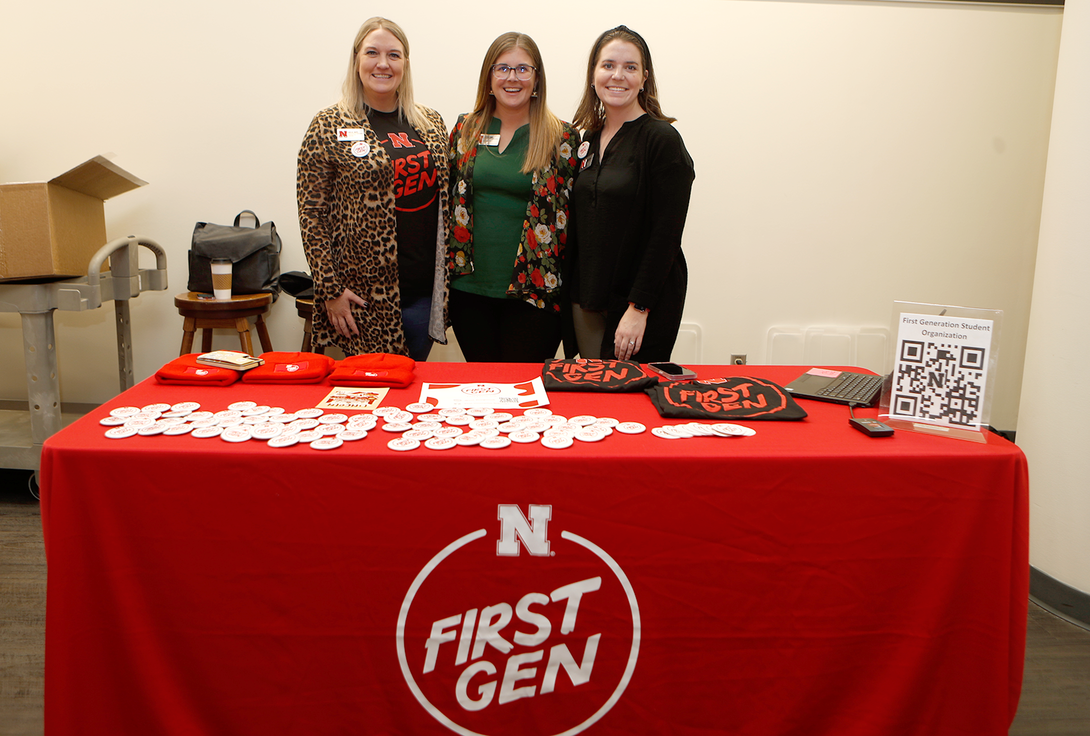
(590, 115)
(352, 97)
(546, 130)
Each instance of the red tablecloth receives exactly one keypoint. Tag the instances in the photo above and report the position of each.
(806, 580)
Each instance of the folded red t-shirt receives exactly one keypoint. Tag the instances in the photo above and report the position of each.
(374, 369)
(186, 371)
(284, 367)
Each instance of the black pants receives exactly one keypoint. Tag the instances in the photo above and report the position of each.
(503, 330)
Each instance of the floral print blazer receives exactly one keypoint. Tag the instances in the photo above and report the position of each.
(535, 277)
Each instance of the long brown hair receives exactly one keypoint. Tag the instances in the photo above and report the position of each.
(352, 101)
(591, 114)
(545, 128)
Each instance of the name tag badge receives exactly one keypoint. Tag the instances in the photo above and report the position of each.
(361, 149)
(351, 134)
(488, 139)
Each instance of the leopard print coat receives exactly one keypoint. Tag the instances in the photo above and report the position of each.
(349, 230)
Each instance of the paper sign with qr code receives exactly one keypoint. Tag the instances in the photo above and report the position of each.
(941, 369)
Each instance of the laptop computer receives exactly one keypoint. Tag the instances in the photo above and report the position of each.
(839, 387)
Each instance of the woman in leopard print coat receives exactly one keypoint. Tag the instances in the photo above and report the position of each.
(372, 190)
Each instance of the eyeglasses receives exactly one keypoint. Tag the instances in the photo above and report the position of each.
(522, 71)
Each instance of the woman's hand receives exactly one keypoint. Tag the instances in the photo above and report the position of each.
(629, 335)
(339, 311)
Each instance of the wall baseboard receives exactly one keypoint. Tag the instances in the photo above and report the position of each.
(1059, 598)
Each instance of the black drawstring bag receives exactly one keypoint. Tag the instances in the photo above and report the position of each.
(610, 376)
(736, 397)
(253, 251)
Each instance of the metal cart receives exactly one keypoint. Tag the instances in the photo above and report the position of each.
(23, 432)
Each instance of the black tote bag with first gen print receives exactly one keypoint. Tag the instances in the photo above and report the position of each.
(736, 397)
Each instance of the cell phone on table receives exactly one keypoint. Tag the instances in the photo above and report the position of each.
(672, 371)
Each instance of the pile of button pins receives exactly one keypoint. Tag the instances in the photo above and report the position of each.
(445, 429)
(240, 422)
(417, 425)
(699, 429)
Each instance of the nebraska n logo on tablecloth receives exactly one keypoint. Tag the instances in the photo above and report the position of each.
(515, 528)
(488, 636)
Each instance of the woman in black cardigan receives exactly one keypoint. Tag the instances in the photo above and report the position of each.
(627, 274)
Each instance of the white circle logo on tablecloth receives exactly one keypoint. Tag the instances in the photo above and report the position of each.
(488, 637)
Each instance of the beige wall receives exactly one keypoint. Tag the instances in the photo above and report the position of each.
(1053, 431)
(848, 154)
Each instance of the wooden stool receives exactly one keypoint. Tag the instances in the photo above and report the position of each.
(208, 314)
(305, 308)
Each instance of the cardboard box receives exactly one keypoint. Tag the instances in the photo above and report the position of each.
(51, 230)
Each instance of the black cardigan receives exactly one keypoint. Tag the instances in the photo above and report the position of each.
(628, 214)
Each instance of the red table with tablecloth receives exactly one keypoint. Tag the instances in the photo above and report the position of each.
(806, 580)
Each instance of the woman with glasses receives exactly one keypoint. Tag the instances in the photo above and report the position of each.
(372, 189)
(627, 271)
(512, 163)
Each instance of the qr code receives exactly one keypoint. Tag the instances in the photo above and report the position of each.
(939, 382)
